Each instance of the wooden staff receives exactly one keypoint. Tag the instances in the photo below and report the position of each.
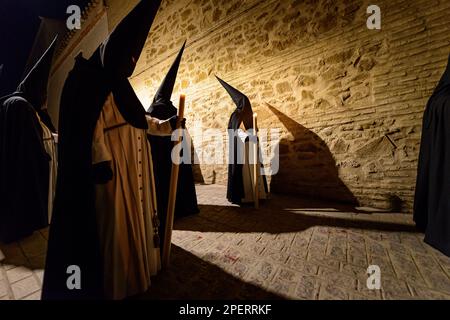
(256, 162)
(173, 190)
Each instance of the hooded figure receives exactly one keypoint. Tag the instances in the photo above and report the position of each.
(105, 221)
(25, 163)
(432, 200)
(240, 172)
(162, 108)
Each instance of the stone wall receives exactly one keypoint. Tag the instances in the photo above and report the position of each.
(349, 100)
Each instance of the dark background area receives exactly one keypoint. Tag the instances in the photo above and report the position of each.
(19, 23)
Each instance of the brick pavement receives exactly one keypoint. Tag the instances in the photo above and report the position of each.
(290, 248)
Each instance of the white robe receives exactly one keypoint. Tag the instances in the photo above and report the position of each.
(126, 205)
(50, 140)
(248, 171)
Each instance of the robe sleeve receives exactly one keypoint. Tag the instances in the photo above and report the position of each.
(158, 127)
(100, 152)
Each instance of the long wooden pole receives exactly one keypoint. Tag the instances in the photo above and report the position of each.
(256, 167)
(173, 190)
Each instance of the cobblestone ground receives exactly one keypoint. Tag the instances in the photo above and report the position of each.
(288, 249)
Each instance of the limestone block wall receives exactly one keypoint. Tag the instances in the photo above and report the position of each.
(349, 101)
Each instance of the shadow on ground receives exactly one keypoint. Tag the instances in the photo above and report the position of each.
(277, 216)
(191, 278)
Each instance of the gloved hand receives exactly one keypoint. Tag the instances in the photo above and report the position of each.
(102, 173)
(173, 123)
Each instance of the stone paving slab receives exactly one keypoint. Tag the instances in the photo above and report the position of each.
(302, 249)
(21, 270)
(290, 248)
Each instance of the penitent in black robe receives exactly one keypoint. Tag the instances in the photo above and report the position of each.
(432, 199)
(162, 108)
(74, 237)
(186, 202)
(24, 163)
(24, 170)
(242, 115)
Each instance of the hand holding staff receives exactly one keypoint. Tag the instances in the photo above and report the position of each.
(173, 190)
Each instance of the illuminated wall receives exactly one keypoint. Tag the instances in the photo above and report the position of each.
(349, 100)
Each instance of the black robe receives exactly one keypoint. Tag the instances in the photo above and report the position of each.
(186, 202)
(73, 238)
(235, 186)
(24, 163)
(162, 108)
(24, 170)
(432, 198)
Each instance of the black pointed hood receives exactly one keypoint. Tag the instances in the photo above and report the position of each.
(165, 90)
(118, 55)
(34, 86)
(162, 107)
(445, 79)
(121, 51)
(244, 112)
(49, 28)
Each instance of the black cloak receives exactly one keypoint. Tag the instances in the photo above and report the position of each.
(242, 114)
(162, 108)
(432, 198)
(24, 163)
(73, 238)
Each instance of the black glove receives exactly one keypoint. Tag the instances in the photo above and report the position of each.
(173, 123)
(102, 173)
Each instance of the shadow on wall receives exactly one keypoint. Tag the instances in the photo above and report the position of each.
(307, 166)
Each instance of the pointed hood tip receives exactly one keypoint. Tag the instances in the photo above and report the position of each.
(35, 83)
(47, 56)
(53, 44)
(240, 100)
(181, 52)
(166, 88)
(230, 89)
